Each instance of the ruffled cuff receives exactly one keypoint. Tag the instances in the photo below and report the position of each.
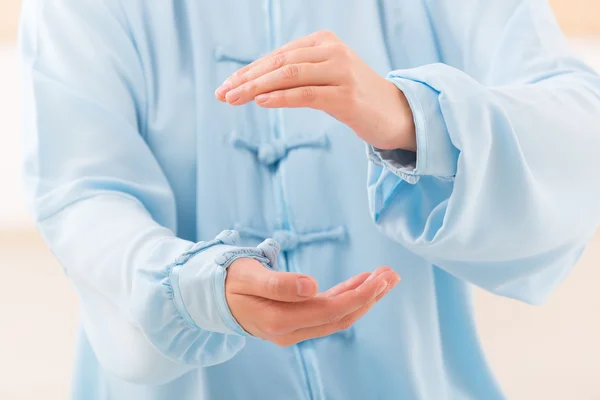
(182, 309)
(436, 155)
(199, 284)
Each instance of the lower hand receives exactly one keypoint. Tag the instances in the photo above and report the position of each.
(284, 308)
(319, 71)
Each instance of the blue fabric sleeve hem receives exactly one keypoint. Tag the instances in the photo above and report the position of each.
(197, 282)
(405, 171)
(162, 315)
(225, 237)
(221, 302)
(436, 155)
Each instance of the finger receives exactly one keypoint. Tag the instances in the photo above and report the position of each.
(331, 328)
(279, 286)
(273, 63)
(317, 311)
(305, 41)
(349, 284)
(287, 77)
(318, 97)
(353, 282)
(350, 301)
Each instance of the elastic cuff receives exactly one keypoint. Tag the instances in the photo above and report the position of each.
(227, 237)
(158, 304)
(197, 280)
(401, 162)
(436, 155)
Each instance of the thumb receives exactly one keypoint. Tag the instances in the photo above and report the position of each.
(256, 280)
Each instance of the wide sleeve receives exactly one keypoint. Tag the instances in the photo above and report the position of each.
(504, 190)
(153, 304)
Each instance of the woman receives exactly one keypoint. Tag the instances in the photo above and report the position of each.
(167, 206)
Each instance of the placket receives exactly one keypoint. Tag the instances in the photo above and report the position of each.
(304, 351)
(271, 151)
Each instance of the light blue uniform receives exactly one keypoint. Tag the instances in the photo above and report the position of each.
(133, 168)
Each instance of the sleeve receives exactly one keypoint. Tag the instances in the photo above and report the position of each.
(504, 191)
(153, 304)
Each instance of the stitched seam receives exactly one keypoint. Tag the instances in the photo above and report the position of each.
(177, 296)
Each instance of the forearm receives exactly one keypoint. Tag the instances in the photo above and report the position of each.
(516, 159)
(120, 346)
(513, 199)
(110, 245)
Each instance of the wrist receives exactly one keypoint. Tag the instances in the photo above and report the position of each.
(401, 132)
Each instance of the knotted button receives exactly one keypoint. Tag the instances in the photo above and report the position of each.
(270, 153)
(287, 240)
(229, 237)
(270, 249)
(221, 259)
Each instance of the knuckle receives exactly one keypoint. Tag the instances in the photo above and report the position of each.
(349, 94)
(290, 71)
(345, 323)
(273, 285)
(272, 324)
(242, 79)
(280, 99)
(249, 88)
(340, 50)
(333, 315)
(273, 328)
(307, 94)
(278, 60)
(363, 296)
(277, 100)
(346, 92)
(351, 80)
(327, 34)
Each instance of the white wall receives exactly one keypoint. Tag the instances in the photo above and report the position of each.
(13, 214)
(589, 49)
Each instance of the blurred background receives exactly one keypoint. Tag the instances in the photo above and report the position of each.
(550, 352)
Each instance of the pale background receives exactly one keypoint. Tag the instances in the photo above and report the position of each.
(550, 352)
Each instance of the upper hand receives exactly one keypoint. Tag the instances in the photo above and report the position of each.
(284, 307)
(319, 71)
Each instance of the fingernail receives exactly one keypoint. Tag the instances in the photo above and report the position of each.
(381, 288)
(373, 275)
(233, 95)
(222, 90)
(305, 287)
(262, 98)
